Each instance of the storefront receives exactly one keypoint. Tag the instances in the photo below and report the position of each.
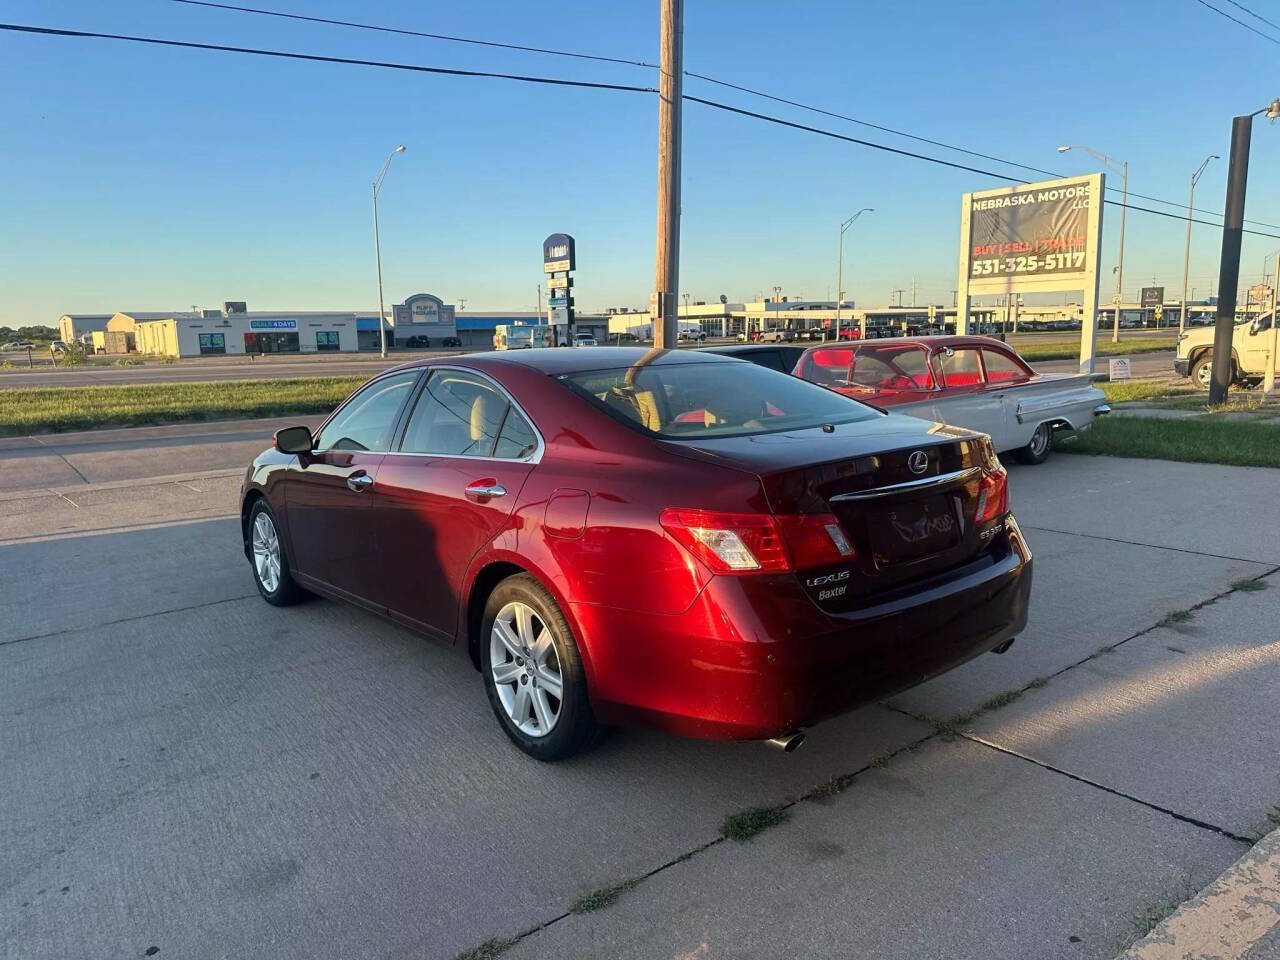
(275, 336)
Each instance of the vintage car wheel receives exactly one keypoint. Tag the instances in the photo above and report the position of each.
(1038, 447)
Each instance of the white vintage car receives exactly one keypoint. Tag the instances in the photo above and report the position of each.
(972, 382)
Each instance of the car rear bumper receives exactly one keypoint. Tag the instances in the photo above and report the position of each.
(1181, 366)
(755, 658)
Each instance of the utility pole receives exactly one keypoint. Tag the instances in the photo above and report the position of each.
(913, 291)
(1186, 255)
(539, 304)
(899, 294)
(666, 268)
(1229, 265)
(1269, 380)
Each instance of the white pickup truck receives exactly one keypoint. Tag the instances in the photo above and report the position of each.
(973, 382)
(1250, 352)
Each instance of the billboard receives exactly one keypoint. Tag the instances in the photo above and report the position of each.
(1033, 238)
(1152, 297)
(1036, 231)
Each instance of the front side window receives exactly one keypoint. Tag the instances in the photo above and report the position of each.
(460, 414)
(712, 399)
(960, 368)
(367, 420)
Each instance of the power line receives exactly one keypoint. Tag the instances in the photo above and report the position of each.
(417, 68)
(1223, 13)
(1256, 16)
(938, 160)
(262, 11)
(318, 58)
(411, 33)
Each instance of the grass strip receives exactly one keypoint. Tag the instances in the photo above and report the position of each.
(26, 410)
(602, 898)
(1070, 349)
(1191, 441)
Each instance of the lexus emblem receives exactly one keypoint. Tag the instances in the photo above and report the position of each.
(918, 462)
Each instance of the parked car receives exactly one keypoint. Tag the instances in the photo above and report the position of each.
(782, 357)
(780, 335)
(1250, 352)
(971, 382)
(585, 342)
(416, 341)
(18, 345)
(58, 348)
(448, 342)
(783, 581)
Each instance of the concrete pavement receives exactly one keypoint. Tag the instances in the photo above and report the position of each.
(211, 776)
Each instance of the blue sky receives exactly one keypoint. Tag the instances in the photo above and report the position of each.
(148, 178)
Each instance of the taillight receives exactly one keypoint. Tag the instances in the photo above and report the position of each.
(993, 496)
(757, 542)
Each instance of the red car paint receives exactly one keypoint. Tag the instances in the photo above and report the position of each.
(666, 641)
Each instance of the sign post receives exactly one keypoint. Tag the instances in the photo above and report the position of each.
(1037, 238)
(559, 259)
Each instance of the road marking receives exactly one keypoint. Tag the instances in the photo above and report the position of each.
(1225, 919)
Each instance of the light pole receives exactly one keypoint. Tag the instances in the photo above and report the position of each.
(1123, 167)
(377, 250)
(840, 265)
(1186, 256)
(1229, 263)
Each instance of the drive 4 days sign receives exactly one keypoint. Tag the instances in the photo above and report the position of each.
(1038, 230)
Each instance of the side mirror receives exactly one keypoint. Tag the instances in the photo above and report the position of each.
(293, 440)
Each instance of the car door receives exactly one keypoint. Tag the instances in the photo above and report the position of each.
(445, 491)
(329, 492)
(964, 400)
(1253, 344)
(1004, 372)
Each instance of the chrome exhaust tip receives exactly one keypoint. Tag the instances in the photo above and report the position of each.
(788, 742)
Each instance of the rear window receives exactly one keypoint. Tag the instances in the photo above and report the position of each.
(695, 400)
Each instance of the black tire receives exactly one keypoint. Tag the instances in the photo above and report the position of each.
(575, 728)
(1038, 447)
(285, 591)
(1202, 370)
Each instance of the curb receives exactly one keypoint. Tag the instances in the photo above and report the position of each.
(1225, 919)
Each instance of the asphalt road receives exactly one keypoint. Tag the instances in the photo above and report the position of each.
(189, 371)
(189, 772)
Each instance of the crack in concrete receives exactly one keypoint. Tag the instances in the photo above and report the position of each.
(1139, 543)
(112, 623)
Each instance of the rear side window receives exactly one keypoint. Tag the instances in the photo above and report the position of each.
(712, 399)
(457, 414)
(1001, 367)
(960, 368)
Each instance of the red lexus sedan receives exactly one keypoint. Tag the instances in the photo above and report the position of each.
(670, 538)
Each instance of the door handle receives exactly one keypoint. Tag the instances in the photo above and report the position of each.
(359, 482)
(485, 489)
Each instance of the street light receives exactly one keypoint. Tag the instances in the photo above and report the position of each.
(377, 249)
(1186, 256)
(840, 266)
(1123, 167)
(1229, 262)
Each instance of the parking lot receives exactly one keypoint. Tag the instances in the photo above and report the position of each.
(190, 772)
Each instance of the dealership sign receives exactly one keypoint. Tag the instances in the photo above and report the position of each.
(1034, 238)
(273, 324)
(1152, 297)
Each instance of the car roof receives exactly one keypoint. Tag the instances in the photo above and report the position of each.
(950, 340)
(747, 347)
(555, 361)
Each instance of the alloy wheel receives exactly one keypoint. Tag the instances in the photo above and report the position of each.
(526, 671)
(1204, 375)
(266, 552)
